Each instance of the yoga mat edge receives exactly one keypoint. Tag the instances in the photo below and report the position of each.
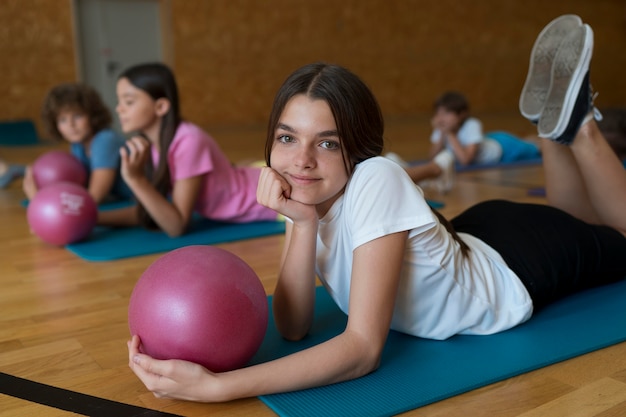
(416, 372)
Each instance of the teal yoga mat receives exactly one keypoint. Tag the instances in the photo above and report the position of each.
(495, 165)
(105, 244)
(18, 133)
(499, 165)
(415, 372)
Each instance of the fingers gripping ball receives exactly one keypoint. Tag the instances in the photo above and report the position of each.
(201, 304)
(58, 166)
(62, 213)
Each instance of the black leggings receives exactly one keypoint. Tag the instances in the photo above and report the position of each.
(553, 253)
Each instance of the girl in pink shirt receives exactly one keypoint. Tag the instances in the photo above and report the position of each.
(172, 166)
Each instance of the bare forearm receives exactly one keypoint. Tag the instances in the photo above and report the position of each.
(126, 216)
(101, 183)
(342, 358)
(464, 154)
(294, 296)
(162, 211)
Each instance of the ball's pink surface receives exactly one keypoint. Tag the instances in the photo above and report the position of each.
(201, 304)
(58, 166)
(62, 213)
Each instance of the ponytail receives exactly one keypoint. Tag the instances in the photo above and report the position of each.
(446, 223)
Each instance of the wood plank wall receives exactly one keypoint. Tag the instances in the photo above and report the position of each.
(231, 55)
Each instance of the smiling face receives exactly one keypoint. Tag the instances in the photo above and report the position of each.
(307, 153)
(74, 125)
(137, 111)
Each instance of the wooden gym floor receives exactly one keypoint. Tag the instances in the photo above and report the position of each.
(63, 321)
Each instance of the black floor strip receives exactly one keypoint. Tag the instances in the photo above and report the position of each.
(71, 401)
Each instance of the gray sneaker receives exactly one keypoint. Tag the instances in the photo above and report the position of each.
(569, 98)
(538, 80)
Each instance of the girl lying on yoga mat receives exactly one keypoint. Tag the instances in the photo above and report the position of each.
(458, 138)
(171, 165)
(358, 222)
(75, 113)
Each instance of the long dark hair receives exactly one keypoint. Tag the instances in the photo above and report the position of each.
(358, 117)
(158, 81)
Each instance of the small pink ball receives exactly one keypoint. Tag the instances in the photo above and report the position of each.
(62, 213)
(201, 304)
(58, 166)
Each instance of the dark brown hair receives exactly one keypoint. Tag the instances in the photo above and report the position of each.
(74, 96)
(158, 81)
(452, 101)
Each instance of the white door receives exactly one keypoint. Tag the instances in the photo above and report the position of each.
(113, 35)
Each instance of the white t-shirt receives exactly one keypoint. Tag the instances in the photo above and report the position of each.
(441, 293)
(471, 132)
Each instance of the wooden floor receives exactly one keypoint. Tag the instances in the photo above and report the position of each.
(63, 321)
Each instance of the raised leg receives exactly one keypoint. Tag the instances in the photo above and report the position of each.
(603, 175)
(584, 176)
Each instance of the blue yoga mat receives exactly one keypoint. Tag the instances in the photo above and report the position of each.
(105, 244)
(496, 165)
(415, 372)
(436, 204)
(18, 133)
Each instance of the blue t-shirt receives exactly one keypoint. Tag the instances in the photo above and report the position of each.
(104, 153)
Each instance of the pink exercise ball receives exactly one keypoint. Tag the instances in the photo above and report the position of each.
(201, 304)
(62, 213)
(58, 166)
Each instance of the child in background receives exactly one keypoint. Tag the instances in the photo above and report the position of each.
(462, 134)
(172, 166)
(76, 113)
(458, 138)
(358, 223)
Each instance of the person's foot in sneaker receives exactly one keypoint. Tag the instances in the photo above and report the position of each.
(569, 99)
(538, 80)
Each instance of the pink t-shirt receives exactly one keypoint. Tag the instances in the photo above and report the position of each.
(228, 192)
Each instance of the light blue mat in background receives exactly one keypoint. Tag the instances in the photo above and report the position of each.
(495, 165)
(499, 165)
(415, 372)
